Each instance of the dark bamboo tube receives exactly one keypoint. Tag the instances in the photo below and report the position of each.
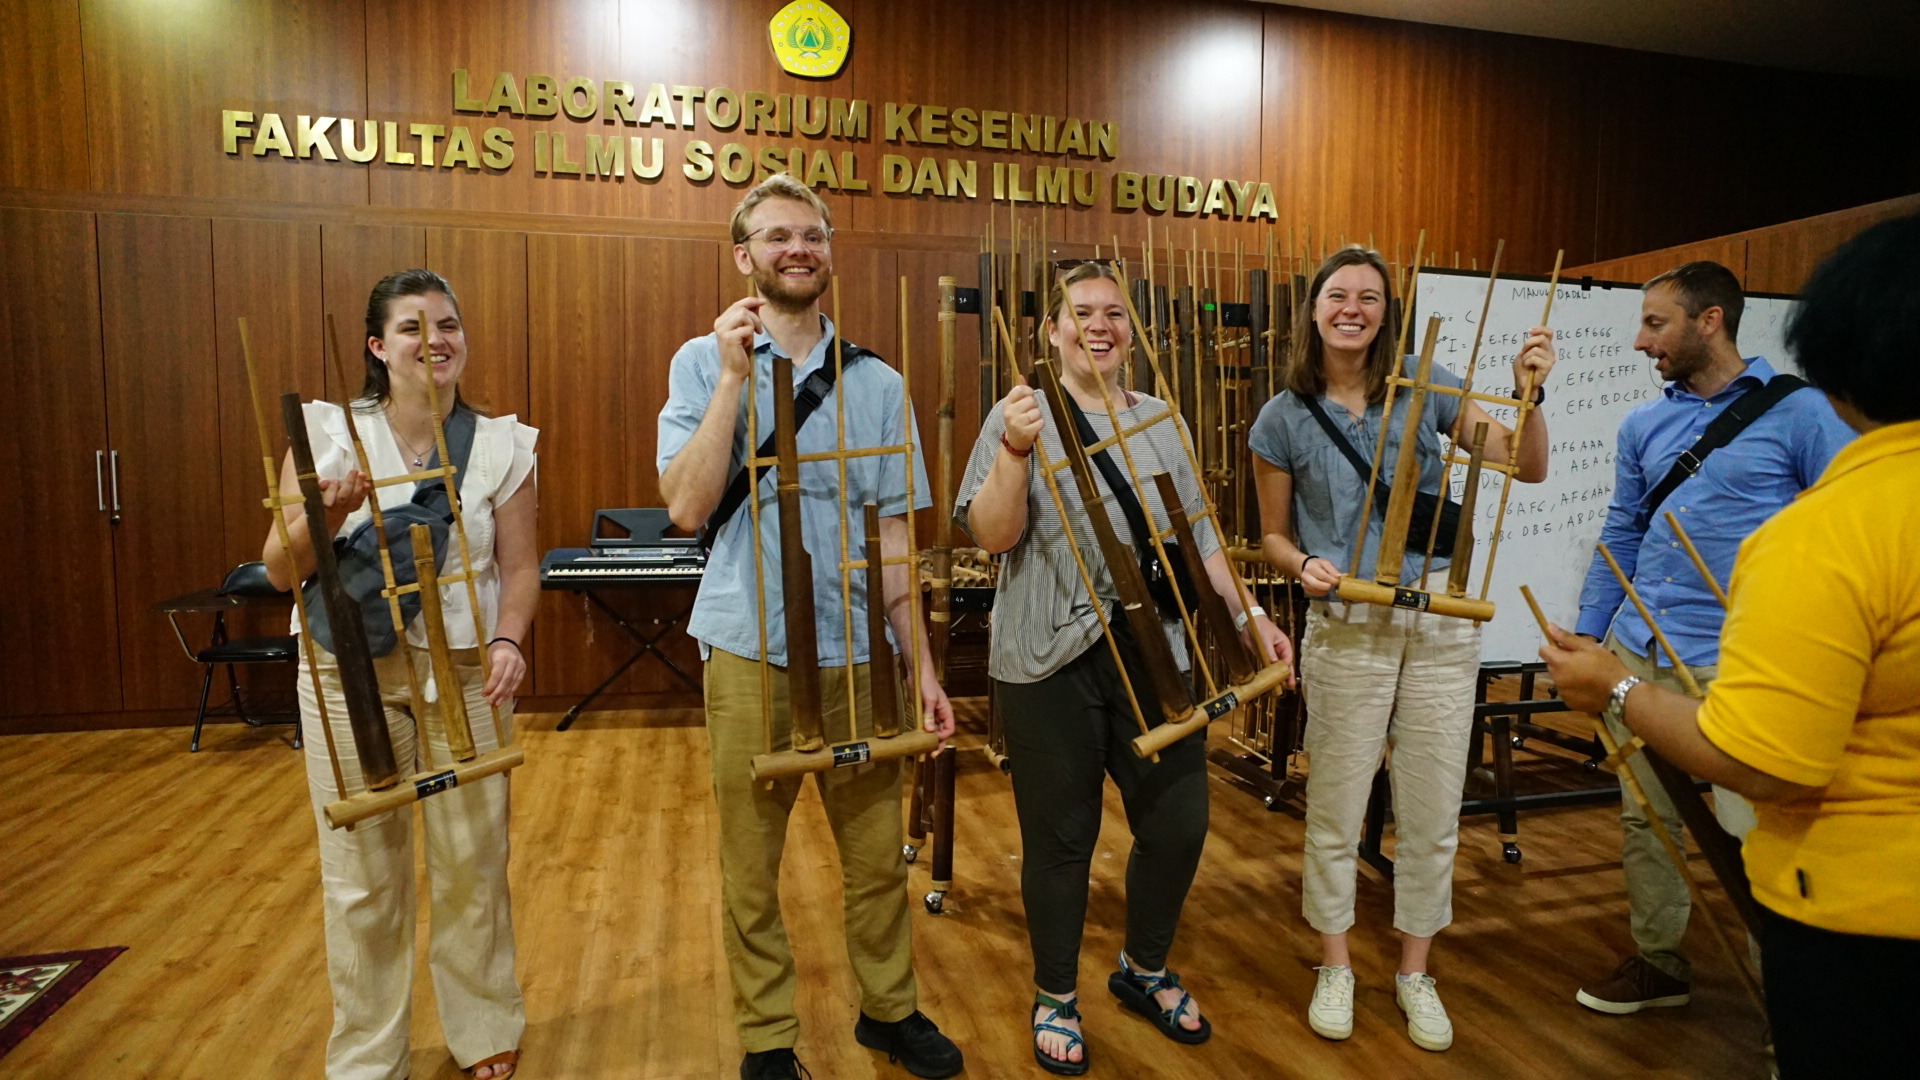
(1213, 607)
(883, 688)
(446, 679)
(796, 571)
(372, 744)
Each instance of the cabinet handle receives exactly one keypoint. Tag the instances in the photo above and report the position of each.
(113, 471)
(99, 479)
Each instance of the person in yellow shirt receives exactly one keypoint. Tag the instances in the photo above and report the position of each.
(1816, 713)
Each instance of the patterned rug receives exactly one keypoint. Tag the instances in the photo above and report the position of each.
(32, 987)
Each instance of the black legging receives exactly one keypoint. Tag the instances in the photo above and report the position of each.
(1064, 733)
(1842, 1005)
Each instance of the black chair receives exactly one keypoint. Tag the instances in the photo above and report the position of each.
(244, 584)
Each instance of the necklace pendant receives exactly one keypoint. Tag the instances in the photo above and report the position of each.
(419, 464)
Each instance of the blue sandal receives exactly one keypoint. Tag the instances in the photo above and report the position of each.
(1060, 1010)
(1136, 991)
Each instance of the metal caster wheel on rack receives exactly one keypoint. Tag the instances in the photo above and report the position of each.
(935, 901)
(909, 852)
(1590, 765)
(1518, 742)
(1510, 852)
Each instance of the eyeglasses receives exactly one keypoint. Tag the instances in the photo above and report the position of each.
(786, 239)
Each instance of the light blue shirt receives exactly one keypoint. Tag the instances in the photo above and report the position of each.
(1328, 491)
(1741, 485)
(724, 613)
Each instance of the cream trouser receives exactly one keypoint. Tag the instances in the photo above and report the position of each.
(1378, 677)
(1657, 899)
(863, 810)
(367, 886)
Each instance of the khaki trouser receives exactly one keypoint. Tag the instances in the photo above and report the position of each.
(367, 885)
(1657, 899)
(863, 810)
(1378, 677)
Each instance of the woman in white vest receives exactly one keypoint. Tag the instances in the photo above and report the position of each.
(367, 874)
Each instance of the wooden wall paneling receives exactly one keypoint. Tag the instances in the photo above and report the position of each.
(1182, 84)
(59, 645)
(267, 272)
(869, 297)
(1007, 56)
(163, 418)
(353, 259)
(577, 361)
(158, 76)
(1383, 128)
(488, 272)
(1779, 259)
(46, 144)
(1728, 251)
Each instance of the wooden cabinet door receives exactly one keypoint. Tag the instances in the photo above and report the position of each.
(163, 421)
(59, 640)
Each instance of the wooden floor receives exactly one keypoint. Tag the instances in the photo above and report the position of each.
(205, 866)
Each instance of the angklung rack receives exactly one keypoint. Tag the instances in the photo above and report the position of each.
(811, 750)
(372, 743)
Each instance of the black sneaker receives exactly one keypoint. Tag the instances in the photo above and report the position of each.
(773, 1065)
(914, 1042)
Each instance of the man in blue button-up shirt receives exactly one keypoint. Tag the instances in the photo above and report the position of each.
(782, 241)
(1689, 318)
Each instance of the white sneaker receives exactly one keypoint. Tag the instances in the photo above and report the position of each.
(1330, 1014)
(1427, 1023)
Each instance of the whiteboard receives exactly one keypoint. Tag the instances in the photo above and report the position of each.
(1548, 536)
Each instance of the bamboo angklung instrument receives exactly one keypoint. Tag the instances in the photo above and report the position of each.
(891, 739)
(359, 685)
(1219, 702)
(449, 692)
(1463, 536)
(1525, 406)
(277, 504)
(1727, 865)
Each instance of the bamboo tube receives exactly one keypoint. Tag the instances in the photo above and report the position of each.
(1667, 841)
(277, 504)
(1680, 670)
(393, 591)
(1525, 397)
(1699, 563)
(883, 691)
(459, 520)
(846, 575)
(759, 569)
(452, 697)
(1458, 569)
(346, 812)
(796, 572)
(1406, 471)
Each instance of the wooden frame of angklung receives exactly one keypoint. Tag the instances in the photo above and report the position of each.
(386, 788)
(1245, 675)
(1384, 588)
(811, 748)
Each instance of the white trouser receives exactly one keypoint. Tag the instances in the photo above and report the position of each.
(1378, 677)
(367, 885)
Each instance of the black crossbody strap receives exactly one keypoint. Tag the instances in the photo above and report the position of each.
(1382, 492)
(1123, 492)
(1724, 428)
(813, 390)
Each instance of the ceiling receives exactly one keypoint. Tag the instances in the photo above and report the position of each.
(1857, 37)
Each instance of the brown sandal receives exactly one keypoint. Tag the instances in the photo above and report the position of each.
(509, 1058)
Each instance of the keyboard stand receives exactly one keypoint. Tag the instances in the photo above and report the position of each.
(647, 645)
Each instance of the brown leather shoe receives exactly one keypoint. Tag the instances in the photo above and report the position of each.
(1633, 986)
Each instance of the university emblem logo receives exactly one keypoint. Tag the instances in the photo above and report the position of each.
(810, 38)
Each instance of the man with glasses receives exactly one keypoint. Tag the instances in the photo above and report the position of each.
(782, 242)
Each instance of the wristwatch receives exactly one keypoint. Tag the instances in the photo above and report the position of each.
(1617, 701)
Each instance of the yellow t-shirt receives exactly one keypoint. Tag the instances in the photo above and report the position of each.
(1819, 684)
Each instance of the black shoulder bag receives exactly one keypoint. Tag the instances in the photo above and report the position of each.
(813, 390)
(1159, 586)
(1424, 504)
(358, 552)
(1723, 429)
